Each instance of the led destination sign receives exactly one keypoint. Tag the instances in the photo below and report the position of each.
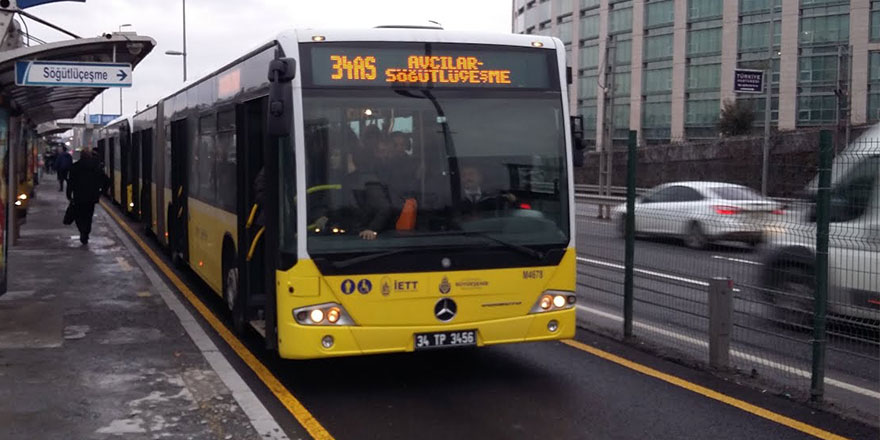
(335, 65)
(419, 69)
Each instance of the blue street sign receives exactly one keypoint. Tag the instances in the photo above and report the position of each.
(72, 74)
(101, 119)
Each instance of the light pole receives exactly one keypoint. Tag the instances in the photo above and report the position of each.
(768, 97)
(121, 112)
(183, 52)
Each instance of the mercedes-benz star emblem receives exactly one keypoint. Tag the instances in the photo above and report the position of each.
(445, 309)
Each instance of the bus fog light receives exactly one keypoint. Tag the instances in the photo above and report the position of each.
(316, 315)
(559, 301)
(327, 341)
(552, 326)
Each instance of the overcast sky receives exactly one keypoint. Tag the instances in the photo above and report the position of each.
(218, 31)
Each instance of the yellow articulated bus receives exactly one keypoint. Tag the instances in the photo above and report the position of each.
(372, 191)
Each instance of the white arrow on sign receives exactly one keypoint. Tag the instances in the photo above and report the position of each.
(72, 74)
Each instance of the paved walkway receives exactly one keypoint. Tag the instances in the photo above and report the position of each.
(89, 347)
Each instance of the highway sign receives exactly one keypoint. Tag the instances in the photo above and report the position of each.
(748, 81)
(72, 74)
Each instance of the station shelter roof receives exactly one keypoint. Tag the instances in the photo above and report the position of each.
(43, 104)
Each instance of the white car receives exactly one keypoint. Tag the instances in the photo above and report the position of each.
(701, 213)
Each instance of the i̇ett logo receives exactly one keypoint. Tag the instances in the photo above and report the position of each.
(445, 287)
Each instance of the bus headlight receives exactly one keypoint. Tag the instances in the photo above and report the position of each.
(22, 196)
(322, 314)
(552, 300)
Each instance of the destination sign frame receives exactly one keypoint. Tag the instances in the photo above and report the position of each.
(43, 73)
(428, 65)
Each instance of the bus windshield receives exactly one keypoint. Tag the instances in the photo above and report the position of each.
(393, 169)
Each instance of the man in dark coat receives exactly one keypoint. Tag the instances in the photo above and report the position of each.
(63, 163)
(87, 182)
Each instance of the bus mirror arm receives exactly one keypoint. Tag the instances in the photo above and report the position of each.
(282, 71)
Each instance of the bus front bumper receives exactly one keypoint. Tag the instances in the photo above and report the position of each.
(308, 342)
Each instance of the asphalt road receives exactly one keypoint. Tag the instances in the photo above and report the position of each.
(524, 391)
(671, 310)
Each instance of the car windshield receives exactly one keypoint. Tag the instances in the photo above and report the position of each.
(736, 193)
(390, 169)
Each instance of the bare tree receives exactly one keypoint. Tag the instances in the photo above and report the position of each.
(736, 118)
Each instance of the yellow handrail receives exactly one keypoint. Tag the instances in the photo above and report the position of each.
(250, 220)
(254, 243)
(317, 188)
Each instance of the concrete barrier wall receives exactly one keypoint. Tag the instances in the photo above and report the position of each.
(793, 162)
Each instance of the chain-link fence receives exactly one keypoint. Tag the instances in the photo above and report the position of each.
(782, 286)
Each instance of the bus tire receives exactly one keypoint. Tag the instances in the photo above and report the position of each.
(231, 296)
(177, 259)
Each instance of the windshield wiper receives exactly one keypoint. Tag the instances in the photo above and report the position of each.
(370, 257)
(538, 255)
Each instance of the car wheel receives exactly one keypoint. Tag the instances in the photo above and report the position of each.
(231, 297)
(695, 238)
(793, 298)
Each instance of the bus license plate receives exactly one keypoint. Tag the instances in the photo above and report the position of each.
(460, 338)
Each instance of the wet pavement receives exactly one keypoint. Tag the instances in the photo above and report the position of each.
(90, 349)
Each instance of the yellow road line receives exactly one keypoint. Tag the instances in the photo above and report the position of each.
(712, 394)
(302, 415)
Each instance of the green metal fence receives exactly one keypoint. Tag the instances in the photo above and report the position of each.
(783, 288)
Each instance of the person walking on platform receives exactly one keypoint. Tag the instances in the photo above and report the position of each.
(63, 163)
(87, 182)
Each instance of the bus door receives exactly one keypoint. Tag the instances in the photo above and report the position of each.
(115, 174)
(101, 154)
(251, 139)
(177, 214)
(134, 157)
(125, 172)
(146, 200)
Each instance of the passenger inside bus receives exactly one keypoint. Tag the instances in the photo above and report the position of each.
(350, 196)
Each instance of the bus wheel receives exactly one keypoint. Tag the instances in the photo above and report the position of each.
(231, 296)
(176, 259)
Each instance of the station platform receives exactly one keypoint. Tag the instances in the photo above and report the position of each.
(94, 345)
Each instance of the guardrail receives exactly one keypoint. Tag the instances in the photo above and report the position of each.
(590, 194)
(595, 189)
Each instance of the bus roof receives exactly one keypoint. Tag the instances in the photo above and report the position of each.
(419, 35)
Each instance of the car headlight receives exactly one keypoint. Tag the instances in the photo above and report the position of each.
(552, 300)
(322, 314)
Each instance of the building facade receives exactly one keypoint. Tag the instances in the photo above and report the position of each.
(671, 62)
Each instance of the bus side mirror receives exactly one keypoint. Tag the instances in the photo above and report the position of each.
(282, 71)
(577, 140)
